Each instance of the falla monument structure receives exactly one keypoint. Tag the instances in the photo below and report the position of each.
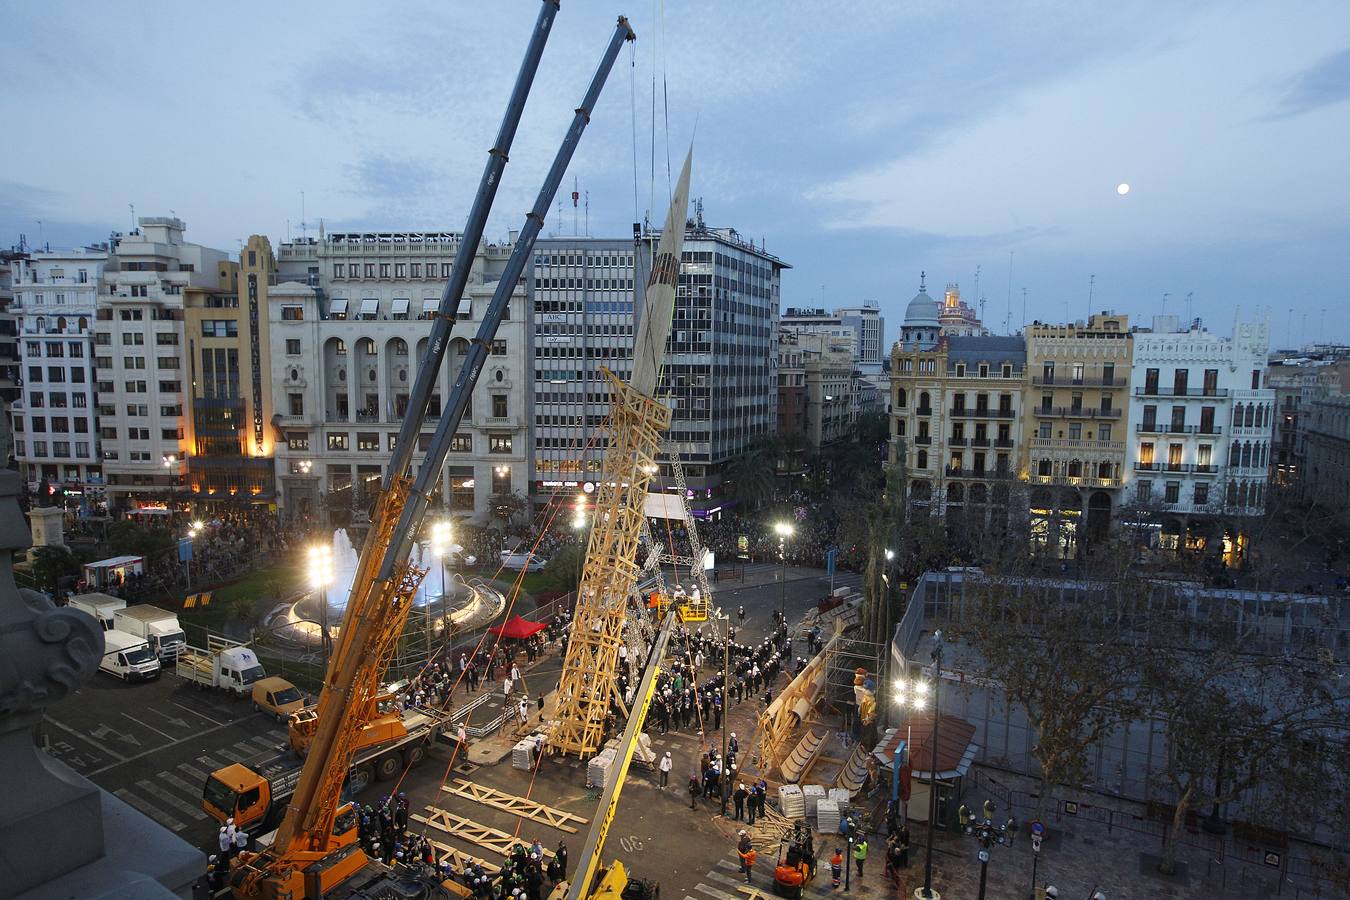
(60, 835)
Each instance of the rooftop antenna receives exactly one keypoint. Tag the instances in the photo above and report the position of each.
(132, 206)
(1189, 318)
(1024, 309)
(576, 195)
(588, 214)
(41, 241)
(1092, 279)
(1166, 294)
(304, 225)
(1024, 296)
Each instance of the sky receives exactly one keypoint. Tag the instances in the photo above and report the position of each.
(863, 143)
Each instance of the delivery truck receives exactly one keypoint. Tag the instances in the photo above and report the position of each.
(159, 627)
(224, 664)
(101, 606)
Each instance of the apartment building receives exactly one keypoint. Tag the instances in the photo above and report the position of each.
(956, 404)
(55, 431)
(1200, 423)
(1325, 477)
(10, 379)
(145, 434)
(1074, 430)
(348, 323)
(720, 372)
(862, 325)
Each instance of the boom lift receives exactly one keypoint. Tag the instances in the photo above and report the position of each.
(637, 418)
(316, 847)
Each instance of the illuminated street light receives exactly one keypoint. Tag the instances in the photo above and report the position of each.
(784, 531)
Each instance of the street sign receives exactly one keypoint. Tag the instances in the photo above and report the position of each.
(1071, 807)
(1272, 859)
(984, 856)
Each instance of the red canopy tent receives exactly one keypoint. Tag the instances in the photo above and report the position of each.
(517, 627)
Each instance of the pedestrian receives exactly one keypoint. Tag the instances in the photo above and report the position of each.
(733, 746)
(738, 798)
(462, 734)
(507, 684)
(836, 867)
(561, 855)
(902, 839)
(240, 841)
(540, 703)
(665, 766)
(746, 851)
(695, 788)
(860, 853)
(740, 613)
(226, 841)
(523, 709)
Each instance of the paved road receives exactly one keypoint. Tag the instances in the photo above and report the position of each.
(153, 744)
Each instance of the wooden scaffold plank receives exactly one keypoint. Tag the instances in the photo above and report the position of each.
(459, 860)
(520, 806)
(472, 832)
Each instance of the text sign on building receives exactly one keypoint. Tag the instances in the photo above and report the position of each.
(255, 355)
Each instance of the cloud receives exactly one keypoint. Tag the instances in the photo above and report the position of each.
(388, 178)
(1324, 83)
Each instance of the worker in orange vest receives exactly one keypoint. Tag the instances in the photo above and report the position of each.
(746, 850)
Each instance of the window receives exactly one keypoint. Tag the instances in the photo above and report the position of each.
(292, 313)
(133, 362)
(1144, 491)
(1174, 452)
(1106, 403)
(1211, 382)
(167, 362)
(370, 270)
(499, 443)
(1103, 432)
(461, 443)
(220, 328)
(1256, 379)
(1146, 453)
(499, 348)
(501, 480)
(384, 270)
(1201, 493)
(1178, 420)
(1150, 422)
(172, 411)
(1047, 402)
(339, 270)
(1007, 370)
(1108, 374)
(56, 374)
(1075, 431)
(1150, 381)
(960, 370)
(921, 460)
(1077, 373)
(400, 270)
(1043, 468)
(296, 404)
(297, 440)
(499, 406)
(1179, 379)
(133, 339)
(166, 339)
(1044, 433)
(171, 434)
(984, 370)
(338, 440)
(170, 387)
(1172, 493)
(367, 441)
(1048, 372)
(1206, 420)
(292, 346)
(416, 270)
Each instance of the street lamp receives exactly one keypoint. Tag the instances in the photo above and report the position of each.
(784, 531)
(579, 525)
(987, 833)
(320, 577)
(926, 892)
(910, 696)
(884, 591)
(440, 548)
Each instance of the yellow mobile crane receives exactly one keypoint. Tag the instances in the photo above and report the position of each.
(315, 853)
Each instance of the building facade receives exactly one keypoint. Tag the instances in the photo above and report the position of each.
(720, 371)
(9, 332)
(955, 411)
(56, 439)
(869, 327)
(348, 325)
(1326, 472)
(1078, 397)
(139, 341)
(1199, 429)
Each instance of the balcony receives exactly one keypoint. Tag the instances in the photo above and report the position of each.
(1052, 380)
(979, 442)
(981, 412)
(924, 411)
(506, 422)
(1164, 428)
(956, 441)
(1077, 412)
(924, 439)
(1088, 481)
(1173, 392)
(366, 417)
(1205, 469)
(1079, 446)
(1003, 443)
(333, 418)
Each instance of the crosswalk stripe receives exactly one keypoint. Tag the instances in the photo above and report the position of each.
(265, 743)
(195, 811)
(727, 880)
(278, 734)
(711, 892)
(157, 792)
(211, 762)
(244, 748)
(194, 773)
(153, 812)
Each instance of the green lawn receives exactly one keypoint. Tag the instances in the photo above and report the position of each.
(238, 599)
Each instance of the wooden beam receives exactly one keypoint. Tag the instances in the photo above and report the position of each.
(472, 832)
(519, 806)
(459, 860)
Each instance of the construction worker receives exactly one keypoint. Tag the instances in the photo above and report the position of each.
(860, 853)
(746, 851)
(836, 867)
(695, 788)
(739, 799)
(665, 765)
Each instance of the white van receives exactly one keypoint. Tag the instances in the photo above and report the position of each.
(128, 657)
(101, 606)
(515, 560)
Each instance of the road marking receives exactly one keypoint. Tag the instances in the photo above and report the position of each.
(195, 713)
(267, 743)
(245, 748)
(175, 743)
(193, 771)
(712, 892)
(84, 738)
(153, 812)
(181, 723)
(173, 800)
(101, 734)
(151, 727)
(732, 882)
(279, 733)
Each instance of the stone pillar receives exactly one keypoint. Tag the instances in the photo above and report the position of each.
(60, 836)
(46, 524)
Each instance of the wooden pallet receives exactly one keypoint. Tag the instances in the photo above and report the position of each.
(471, 832)
(519, 806)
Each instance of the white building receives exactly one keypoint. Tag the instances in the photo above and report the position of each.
(862, 325)
(55, 436)
(1200, 425)
(139, 358)
(349, 319)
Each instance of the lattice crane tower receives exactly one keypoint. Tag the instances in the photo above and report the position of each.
(636, 421)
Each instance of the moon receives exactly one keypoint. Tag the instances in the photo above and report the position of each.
(1122, 189)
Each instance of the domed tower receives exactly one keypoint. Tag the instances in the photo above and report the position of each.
(921, 328)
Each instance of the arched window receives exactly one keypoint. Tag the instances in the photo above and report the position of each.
(400, 347)
(1247, 455)
(1250, 417)
(1104, 470)
(1075, 468)
(1242, 494)
(61, 324)
(1232, 493)
(921, 460)
(84, 324)
(1237, 415)
(901, 397)
(41, 325)
(900, 427)
(925, 403)
(1234, 453)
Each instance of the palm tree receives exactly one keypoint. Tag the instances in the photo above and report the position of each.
(750, 474)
